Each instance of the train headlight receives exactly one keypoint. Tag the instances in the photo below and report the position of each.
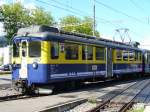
(35, 65)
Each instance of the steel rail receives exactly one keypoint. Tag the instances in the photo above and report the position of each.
(132, 102)
(123, 108)
(17, 97)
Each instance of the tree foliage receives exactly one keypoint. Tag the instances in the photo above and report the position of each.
(75, 24)
(40, 17)
(70, 23)
(16, 16)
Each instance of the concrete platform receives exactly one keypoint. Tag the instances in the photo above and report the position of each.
(5, 79)
(147, 109)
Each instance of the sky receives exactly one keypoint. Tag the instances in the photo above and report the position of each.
(110, 15)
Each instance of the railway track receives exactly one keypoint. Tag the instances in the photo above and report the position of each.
(12, 97)
(106, 103)
(120, 102)
(69, 107)
(18, 97)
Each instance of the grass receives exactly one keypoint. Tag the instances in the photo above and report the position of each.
(92, 100)
(137, 110)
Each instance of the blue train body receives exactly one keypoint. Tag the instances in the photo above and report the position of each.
(48, 56)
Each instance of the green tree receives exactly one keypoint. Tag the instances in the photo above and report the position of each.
(40, 17)
(16, 16)
(70, 23)
(75, 24)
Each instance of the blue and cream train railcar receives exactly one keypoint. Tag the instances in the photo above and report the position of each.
(146, 61)
(127, 61)
(44, 55)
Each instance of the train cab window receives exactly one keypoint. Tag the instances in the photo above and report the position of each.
(100, 53)
(54, 50)
(24, 48)
(16, 50)
(71, 51)
(119, 55)
(125, 55)
(34, 49)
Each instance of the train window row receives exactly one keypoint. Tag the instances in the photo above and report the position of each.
(123, 55)
(71, 51)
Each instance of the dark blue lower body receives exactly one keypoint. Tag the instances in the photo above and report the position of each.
(147, 68)
(48, 73)
(121, 69)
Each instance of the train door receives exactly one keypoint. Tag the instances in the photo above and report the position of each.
(146, 61)
(24, 53)
(109, 63)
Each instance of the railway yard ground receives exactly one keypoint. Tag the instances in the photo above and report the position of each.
(110, 96)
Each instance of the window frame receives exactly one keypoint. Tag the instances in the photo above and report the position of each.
(16, 47)
(102, 50)
(127, 53)
(120, 58)
(85, 52)
(70, 57)
(58, 50)
(39, 50)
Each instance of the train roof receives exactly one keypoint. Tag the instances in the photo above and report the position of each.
(51, 33)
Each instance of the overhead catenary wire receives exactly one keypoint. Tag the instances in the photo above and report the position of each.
(66, 9)
(139, 7)
(118, 11)
(76, 11)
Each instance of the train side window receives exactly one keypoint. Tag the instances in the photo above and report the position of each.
(71, 51)
(140, 56)
(87, 52)
(54, 50)
(35, 49)
(131, 55)
(136, 56)
(84, 52)
(119, 55)
(16, 50)
(100, 53)
(125, 55)
(148, 58)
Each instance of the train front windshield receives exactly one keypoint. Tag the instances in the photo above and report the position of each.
(33, 48)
